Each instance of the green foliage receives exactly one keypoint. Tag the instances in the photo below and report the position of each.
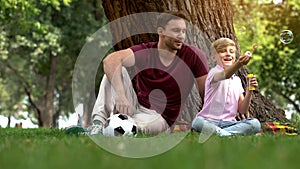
(32, 31)
(295, 119)
(276, 64)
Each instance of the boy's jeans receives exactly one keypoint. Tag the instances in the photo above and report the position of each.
(244, 127)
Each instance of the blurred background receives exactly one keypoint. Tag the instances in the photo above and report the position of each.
(41, 40)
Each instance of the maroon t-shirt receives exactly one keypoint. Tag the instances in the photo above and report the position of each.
(165, 88)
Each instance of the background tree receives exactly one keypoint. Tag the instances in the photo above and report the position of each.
(40, 41)
(213, 18)
(275, 63)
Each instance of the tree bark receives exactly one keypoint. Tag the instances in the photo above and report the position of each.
(214, 19)
(47, 115)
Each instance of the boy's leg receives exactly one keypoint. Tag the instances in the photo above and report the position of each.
(207, 127)
(244, 127)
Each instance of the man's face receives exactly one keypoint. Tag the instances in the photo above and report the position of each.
(173, 34)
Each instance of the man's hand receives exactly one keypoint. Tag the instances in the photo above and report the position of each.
(122, 105)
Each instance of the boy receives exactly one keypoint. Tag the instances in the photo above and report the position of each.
(224, 94)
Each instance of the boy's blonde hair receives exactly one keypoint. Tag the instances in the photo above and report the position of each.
(219, 44)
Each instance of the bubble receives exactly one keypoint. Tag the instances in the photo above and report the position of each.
(243, 29)
(248, 53)
(277, 2)
(255, 46)
(286, 36)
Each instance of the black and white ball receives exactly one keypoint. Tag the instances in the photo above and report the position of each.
(120, 125)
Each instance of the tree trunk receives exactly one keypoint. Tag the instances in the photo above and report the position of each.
(9, 121)
(214, 19)
(47, 115)
(36, 109)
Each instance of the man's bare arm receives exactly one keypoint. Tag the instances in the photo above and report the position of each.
(112, 65)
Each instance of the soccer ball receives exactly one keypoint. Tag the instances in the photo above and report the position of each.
(120, 125)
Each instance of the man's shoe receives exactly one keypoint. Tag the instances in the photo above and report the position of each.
(96, 128)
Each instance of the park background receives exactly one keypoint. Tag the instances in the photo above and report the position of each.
(40, 42)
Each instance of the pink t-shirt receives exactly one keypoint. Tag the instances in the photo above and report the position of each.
(221, 98)
(165, 88)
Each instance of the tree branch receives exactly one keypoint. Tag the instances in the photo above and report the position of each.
(26, 87)
(295, 105)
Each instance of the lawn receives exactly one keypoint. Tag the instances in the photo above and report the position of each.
(52, 149)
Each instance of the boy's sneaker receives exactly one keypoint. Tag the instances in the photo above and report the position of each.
(222, 132)
(76, 130)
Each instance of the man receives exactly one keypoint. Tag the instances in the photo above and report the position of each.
(166, 71)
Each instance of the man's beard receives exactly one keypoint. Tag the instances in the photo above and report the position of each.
(172, 46)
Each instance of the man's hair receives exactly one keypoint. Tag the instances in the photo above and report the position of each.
(219, 44)
(165, 17)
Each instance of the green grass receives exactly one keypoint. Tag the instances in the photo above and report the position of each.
(51, 148)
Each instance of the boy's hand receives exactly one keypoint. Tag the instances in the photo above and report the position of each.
(253, 81)
(244, 59)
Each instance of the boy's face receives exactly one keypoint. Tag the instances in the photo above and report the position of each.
(226, 56)
(173, 34)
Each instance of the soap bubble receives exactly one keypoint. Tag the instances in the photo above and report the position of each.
(286, 36)
(255, 46)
